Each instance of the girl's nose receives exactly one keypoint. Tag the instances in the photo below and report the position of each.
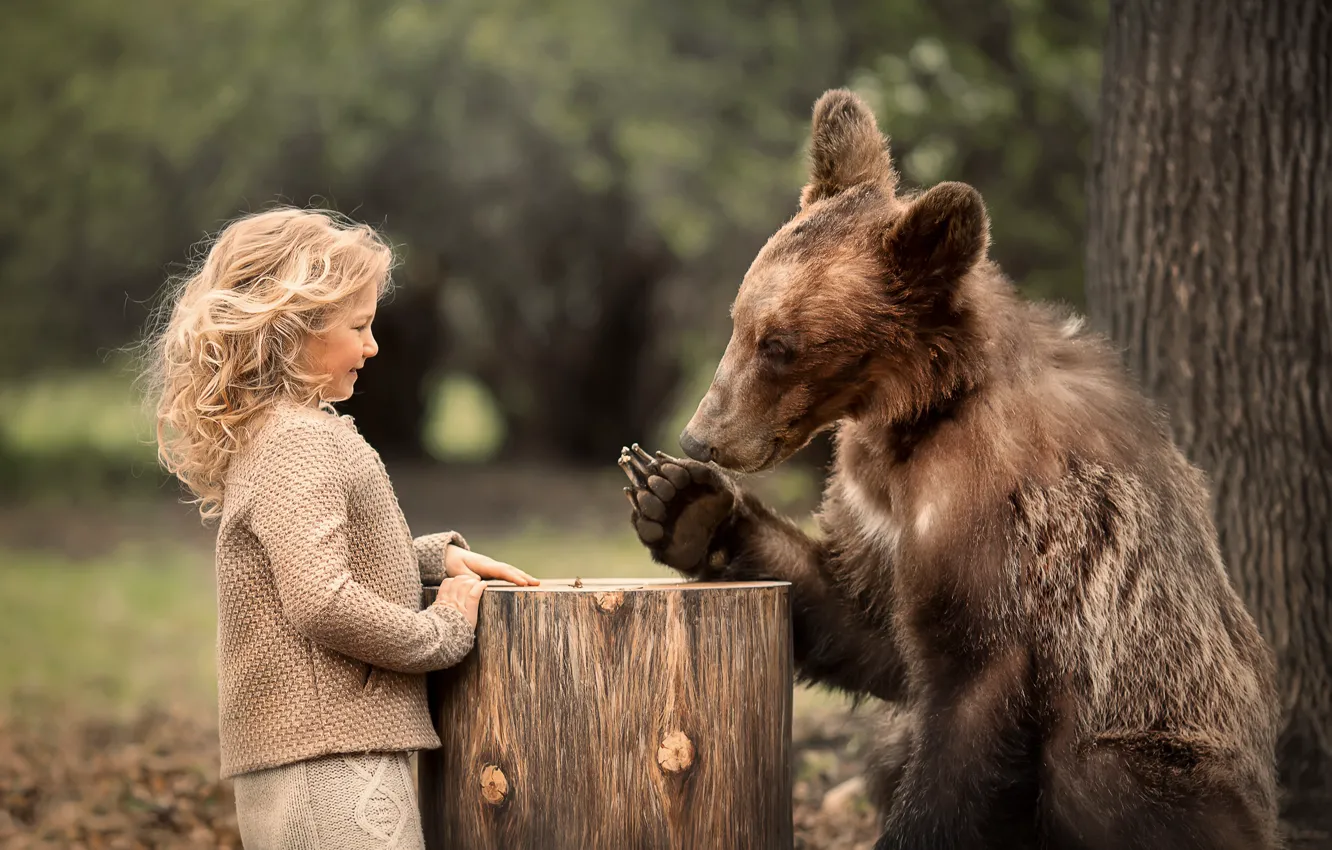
(371, 346)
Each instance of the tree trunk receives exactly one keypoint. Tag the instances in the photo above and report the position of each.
(592, 383)
(599, 370)
(1209, 263)
(638, 714)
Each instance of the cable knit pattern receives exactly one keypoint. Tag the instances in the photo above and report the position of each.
(360, 802)
(322, 642)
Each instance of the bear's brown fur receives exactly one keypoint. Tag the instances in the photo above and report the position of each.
(1014, 552)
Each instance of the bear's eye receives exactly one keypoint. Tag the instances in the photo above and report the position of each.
(777, 349)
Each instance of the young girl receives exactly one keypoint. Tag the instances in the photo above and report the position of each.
(322, 645)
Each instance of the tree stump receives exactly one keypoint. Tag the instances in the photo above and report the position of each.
(616, 714)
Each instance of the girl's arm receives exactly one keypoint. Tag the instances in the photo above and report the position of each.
(430, 554)
(300, 516)
(438, 563)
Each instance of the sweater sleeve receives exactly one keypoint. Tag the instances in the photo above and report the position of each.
(299, 515)
(430, 554)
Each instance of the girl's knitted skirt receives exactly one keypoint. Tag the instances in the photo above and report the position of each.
(340, 802)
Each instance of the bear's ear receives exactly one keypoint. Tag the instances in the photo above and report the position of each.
(941, 236)
(846, 148)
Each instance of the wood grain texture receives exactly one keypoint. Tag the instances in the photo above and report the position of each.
(618, 714)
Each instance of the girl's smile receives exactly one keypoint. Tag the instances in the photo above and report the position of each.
(339, 352)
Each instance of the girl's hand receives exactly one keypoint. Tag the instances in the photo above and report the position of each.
(461, 562)
(462, 593)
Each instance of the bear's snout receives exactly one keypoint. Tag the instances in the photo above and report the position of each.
(696, 448)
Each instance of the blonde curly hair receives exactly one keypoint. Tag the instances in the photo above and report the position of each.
(232, 332)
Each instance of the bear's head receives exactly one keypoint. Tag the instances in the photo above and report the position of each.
(853, 304)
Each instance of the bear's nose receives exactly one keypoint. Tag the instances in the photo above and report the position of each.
(697, 449)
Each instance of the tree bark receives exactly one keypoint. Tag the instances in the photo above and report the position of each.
(598, 365)
(1209, 263)
(640, 714)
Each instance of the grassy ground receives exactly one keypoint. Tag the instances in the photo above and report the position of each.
(110, 633)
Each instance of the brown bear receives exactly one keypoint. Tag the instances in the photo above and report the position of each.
(1013, 550)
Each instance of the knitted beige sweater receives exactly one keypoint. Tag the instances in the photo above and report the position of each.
(322, 642)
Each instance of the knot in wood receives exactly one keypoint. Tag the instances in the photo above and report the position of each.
(494, 785)
(676, 752)
(608, 600)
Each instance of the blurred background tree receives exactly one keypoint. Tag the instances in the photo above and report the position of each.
(575, 187)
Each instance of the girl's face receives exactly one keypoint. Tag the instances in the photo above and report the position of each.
(339, 351)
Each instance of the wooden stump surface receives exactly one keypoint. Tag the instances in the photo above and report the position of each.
(619, 714)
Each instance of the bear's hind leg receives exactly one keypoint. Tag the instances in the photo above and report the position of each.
(960, 798)
(1154, 797)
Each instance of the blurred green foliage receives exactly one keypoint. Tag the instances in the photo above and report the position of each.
(79, 436)
(71, 436)
(576, 186)
(462, 422)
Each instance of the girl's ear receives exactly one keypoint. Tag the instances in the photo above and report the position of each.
(941, 236)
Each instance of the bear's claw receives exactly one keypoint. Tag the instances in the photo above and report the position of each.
(675, 505)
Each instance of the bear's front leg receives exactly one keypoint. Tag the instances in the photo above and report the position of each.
(678, 506)
(691, 518)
